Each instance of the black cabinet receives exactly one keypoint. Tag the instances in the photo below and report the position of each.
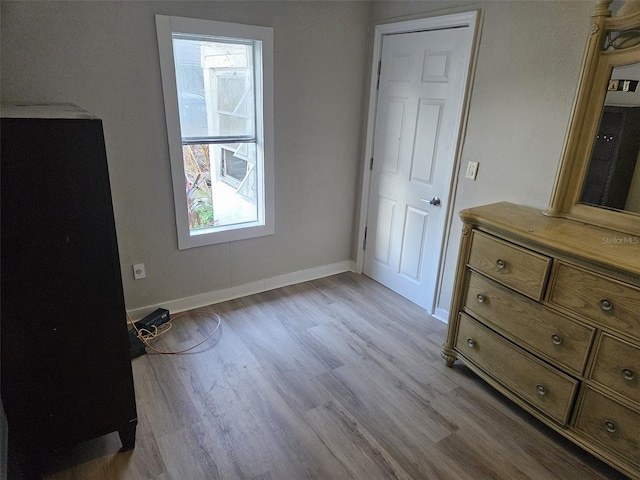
(614, 158)
(66, 371)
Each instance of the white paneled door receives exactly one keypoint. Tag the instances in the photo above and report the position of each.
(421, 91)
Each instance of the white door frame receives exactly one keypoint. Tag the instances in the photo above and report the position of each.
(467, 19)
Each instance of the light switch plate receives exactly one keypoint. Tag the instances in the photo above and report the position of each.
(472, 170)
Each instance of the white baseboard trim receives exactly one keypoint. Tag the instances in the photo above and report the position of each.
(217, 296)
(442, 315)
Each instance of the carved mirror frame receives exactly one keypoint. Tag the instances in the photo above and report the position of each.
(598, 64)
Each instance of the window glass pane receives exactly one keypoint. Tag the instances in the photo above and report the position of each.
(220, 76)
(215, 87)
(221, 185)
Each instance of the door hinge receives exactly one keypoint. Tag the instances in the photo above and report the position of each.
(371, 164)
(379, 70)
(364, 242)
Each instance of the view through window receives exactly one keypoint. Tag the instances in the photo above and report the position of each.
(217, 80)
(216, 98)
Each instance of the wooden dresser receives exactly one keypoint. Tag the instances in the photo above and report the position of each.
(547, 311)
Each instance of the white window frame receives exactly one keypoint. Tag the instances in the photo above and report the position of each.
(165, 27)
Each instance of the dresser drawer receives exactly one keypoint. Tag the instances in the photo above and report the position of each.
(609, 423)
(544, 387)
(606, 301)
(541, 330)
(522, 270)
(617, 366)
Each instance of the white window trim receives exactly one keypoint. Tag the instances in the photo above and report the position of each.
(165, 26)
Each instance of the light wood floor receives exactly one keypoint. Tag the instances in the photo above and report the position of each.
(337, 378)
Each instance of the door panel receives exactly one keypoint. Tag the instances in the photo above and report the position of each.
(420, 97)
(391, 135)
(413, 238)
(424, 148)
(436, 66)
(385, 223)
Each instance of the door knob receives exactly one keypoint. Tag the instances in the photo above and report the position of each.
(435, 201)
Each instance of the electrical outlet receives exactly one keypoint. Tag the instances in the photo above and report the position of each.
(138, 271)
(472, 170)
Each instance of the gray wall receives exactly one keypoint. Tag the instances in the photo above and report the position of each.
(103, 57)
(527, 71)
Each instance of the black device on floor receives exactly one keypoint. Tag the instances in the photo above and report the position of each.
(136, 346)
(154, 319)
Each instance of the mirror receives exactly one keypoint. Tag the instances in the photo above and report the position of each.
(613, 177)
(598, 181)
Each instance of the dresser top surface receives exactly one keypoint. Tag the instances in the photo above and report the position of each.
(596, 244)
(44, 111)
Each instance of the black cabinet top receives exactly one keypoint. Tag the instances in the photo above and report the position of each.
(44, 111)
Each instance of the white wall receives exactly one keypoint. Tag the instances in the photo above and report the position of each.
(528, 65)
(103, 57)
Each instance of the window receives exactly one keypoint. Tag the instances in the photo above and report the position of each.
(217, 80)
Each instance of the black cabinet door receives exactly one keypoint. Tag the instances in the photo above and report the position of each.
(614, 157)
(66, 372)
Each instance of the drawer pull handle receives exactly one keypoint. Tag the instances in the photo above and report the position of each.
(606, 305)
(556, 339)
(500, 263)
(541, 390)
(481, 298)
(471, 342)
(610, 426)
(628, 374)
